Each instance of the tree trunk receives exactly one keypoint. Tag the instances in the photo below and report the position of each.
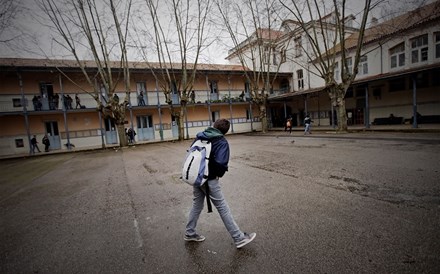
(263, 118)
(121, 134)
(182, 123)
(342, 114)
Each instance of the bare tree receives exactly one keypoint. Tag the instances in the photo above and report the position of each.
(8, 11)
(99, 29)
(253, 29)
(178, 45)
(327, 38)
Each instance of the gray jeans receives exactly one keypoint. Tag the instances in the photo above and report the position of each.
(219, 202)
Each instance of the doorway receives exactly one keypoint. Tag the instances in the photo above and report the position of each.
(145, 128)
(111, 135)
(53, 134)
(46, 93)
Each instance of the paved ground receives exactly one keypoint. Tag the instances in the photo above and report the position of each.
(324, 203)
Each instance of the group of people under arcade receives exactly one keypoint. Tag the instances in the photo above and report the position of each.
(307, 125)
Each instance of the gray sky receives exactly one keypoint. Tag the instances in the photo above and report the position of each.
(37, 41)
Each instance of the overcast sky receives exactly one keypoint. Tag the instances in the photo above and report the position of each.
(37, 41)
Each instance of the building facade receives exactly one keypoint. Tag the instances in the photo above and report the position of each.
(46, 97)
(397, 75)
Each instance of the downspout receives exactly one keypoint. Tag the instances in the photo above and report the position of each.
(26, 118)
(414, 80)
(208, 100)
(367, 108)
(65, 114)
(230, 103)
(98, 89)
(159, 111)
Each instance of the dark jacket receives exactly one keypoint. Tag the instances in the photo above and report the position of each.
(219, 159)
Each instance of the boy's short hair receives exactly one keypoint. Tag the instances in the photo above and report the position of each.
(222, 125)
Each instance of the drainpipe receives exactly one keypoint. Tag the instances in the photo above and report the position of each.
(367, 108)
(186, 121)
(333, 116)
(319, 112)
(64, 113)
(131, 116)
(98, 89)
(251, 116)
(305, 105)
(26, 118)
(160, 112)
(208, 100)
(414, 80)
(381, 58)
(230, 103)
(285, 110)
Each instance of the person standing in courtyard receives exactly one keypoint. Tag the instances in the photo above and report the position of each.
(218, 165)
(288, 125)
(307, 122)
(46, 143)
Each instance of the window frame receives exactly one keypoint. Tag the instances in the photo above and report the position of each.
(363, 65)
(419, 49)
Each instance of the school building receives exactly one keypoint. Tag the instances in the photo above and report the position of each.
(398, 82)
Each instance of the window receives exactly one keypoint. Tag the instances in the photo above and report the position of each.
(215, 115)
(19, 143)
(437, 44)
(397, 55)
(213, 86)
(349, 93)
(16, 102)
(397, 84)
(363, 65)
(300, 76)
(337, 72)
(422, 80)
(144, 121)
(283, 56)
(274, 57)
(349, 64)
(140, 86)
(298, 46)
(419, 49)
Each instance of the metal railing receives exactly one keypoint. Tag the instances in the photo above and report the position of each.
(35, 102)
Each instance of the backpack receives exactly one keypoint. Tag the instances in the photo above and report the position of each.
(195, 168)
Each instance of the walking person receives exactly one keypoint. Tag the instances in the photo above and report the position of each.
(78, 101)
(307, 124)
(288, 125)
(34, 144)
(218, 165)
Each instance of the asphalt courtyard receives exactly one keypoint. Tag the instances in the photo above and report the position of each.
(363, 202)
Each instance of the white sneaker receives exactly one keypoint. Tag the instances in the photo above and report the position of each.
(247, 239)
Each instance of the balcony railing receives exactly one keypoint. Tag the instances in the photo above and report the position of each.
(14, 103)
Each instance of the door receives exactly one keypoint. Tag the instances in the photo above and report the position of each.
(111, 135)
(46, 93)
(53, 135)
(174, 94)
(145, 128)
(141, 93)
(213, 86)
(215, 115)
(174, 127)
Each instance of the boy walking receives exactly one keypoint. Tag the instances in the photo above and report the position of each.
(218, 165)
